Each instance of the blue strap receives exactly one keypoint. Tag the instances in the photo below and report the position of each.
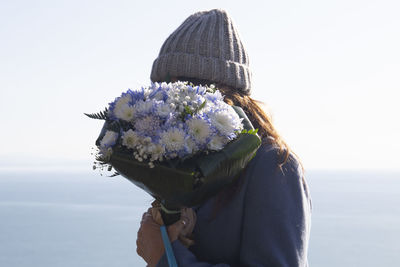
(168, 249)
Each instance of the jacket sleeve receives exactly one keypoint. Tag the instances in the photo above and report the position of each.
(277, 217)
(276, 221)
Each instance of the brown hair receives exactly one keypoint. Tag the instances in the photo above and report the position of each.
(254, 111)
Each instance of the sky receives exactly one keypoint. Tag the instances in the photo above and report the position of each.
(328, 72)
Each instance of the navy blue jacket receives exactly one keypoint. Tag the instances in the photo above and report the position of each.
(266, 222)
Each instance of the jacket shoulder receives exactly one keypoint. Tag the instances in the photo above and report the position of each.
(270, 157)
(268, 177)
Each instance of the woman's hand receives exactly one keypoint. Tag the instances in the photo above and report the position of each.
(149, 242)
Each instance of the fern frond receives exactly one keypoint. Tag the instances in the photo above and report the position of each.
(102, 115)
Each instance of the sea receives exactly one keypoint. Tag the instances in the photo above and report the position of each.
(80, 218)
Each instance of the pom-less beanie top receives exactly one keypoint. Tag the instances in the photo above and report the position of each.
(205, 46)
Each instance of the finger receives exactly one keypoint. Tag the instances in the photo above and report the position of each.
(157, 216)
(182, 228)
(148, 211)
(175, 229)
(186, 241)
(184, 215)
(193, 219)
(146, 217)
(188, 215)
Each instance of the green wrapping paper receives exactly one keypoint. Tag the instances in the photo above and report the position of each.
(176, 184)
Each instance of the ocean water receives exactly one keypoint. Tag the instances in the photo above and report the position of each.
(83, 219)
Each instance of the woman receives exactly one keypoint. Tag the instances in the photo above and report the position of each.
(263, 219)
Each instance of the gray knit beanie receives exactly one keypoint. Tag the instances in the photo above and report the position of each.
(207, 47)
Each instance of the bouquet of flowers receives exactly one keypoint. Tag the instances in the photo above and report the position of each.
(179, 142)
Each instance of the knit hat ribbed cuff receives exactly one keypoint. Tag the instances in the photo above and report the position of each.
(216, 70)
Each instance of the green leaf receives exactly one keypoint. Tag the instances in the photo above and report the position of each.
(199, 107)
(188, 110)
(102, 115)
(251, 131)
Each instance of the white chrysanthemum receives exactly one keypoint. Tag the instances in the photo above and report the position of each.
(214, 97)
(147, 91)
(191, 146)
(211, 106)
(199, 129)
(179, 85)
(159, 96)
(164, 110)
(222, 120)
(124, 112)
(158, 92)
(154, 85)
(147, 125)
(217, 143)
(208, 108)
(130, 139)
(143, 107)
(173, 139)
(109, 139)
(156, 151)
(122, 101)
(190, 96)
(200, 99)
(236, 120)
(201, 89)
(164, 85)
